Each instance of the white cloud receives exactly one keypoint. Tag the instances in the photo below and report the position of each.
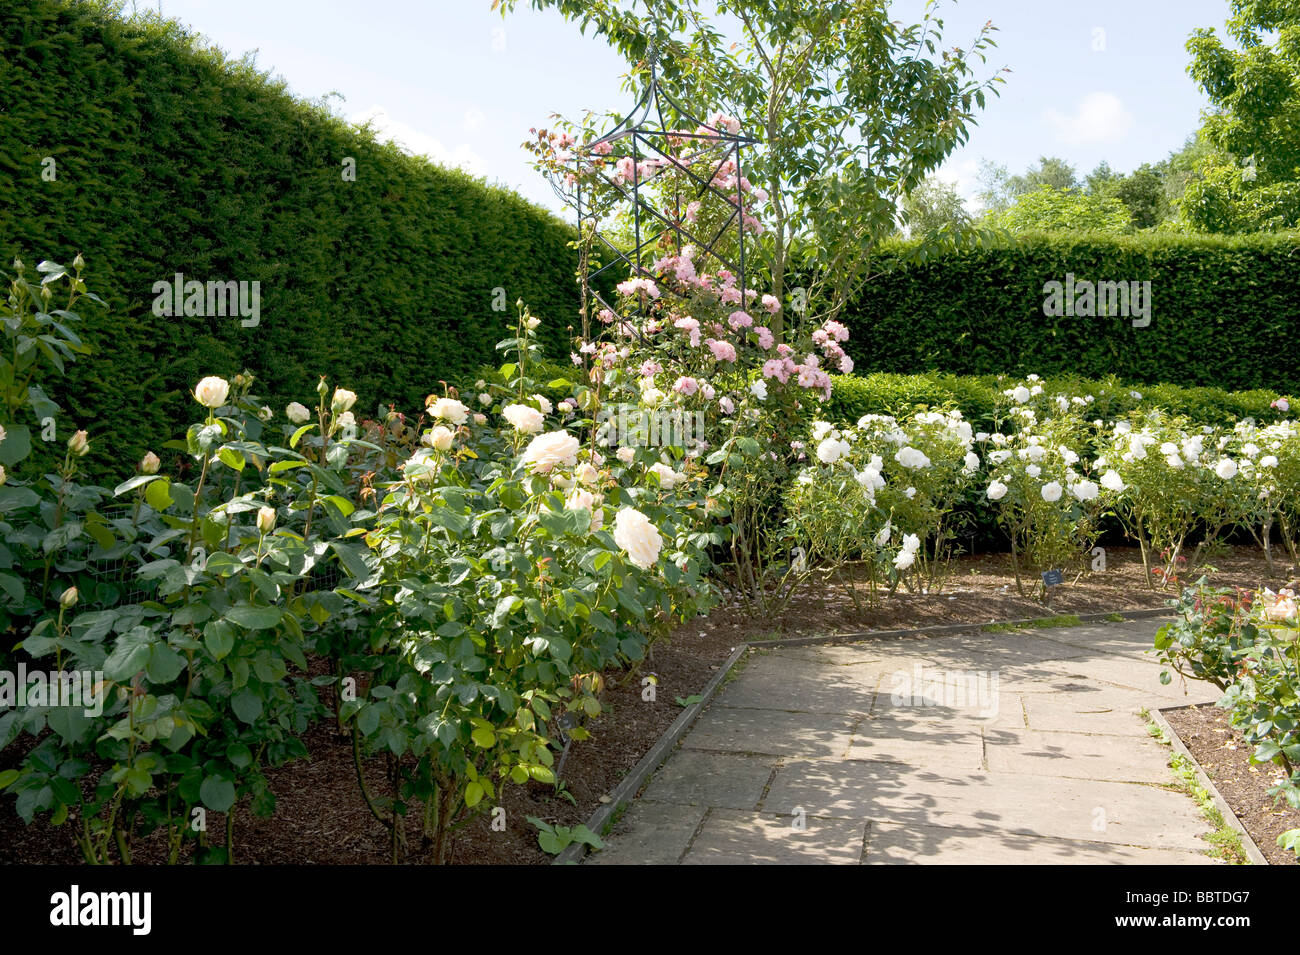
(474, 118)
(1099, 118)
(962, 175)
(417, 143)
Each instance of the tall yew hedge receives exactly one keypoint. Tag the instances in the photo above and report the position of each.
(1225, 311)
(169, 158)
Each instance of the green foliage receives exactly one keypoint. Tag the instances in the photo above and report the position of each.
(1252, 182)
(169, 158)
(1222, 310)
(1049, 209)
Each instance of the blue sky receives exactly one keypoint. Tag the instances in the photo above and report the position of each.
(450, 78)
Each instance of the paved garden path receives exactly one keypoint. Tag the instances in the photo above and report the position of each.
(1021, 747)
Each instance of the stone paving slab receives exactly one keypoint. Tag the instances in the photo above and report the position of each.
(1068, 808)
(692, 778)
(920, 742)
(654, 834)
(893, 844)
(1091, 708)
(1049, 764)
(1078, 755)
(772, 732)
(731, 837)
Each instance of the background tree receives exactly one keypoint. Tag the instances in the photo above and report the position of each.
(1250, 180)
(1048, 209)
(853, 110)
(934, 207)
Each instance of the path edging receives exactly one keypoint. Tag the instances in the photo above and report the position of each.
(1203, 780)
(625, 792)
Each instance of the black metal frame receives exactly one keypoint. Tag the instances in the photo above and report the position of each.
(646, 139)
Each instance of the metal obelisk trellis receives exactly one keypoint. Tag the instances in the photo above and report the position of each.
(643, 135)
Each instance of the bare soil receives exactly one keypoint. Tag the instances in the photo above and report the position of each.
(1225, 756)
(321, 817)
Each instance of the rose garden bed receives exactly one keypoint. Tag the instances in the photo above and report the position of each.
(322, 819)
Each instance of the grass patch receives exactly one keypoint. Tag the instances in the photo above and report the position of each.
(1225, 840)
(1115, 617)
(1060, 620)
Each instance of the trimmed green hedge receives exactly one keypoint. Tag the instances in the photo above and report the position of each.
(977, 397)
(169, 158)
(1224, 310)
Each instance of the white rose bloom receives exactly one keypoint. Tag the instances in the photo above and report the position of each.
(1052, 492)
(820, 429)
(1111, 481)
(343, 400)
(265, 520)
(1085, 491)
(759, 389)
(1268, 461)
(1068, 456)
(1168, 448)
(524, 419)
(831, 450)
(1174, 461)
(1033, 470)
(1021, 394)
(997, 490)
(626, 455)
(882, 536)
(544, 403)
(910, 493)
(449, 409)
(586, 473)
(1250, 449)
(545, 451)
(971, 462)
(440, 438)
(1000, 456)
(913, 458)
(484, 399)
(1226, 469)
(297, 413)
(347, 421)
(668, 478)
(634, 533)
(211, 392)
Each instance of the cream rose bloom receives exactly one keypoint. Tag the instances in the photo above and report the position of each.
(212, 391)
(439, 438)
(449, 409)
(343, 400)
(634, 533)
(545, 451)
(297, 413)
(524, 419)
